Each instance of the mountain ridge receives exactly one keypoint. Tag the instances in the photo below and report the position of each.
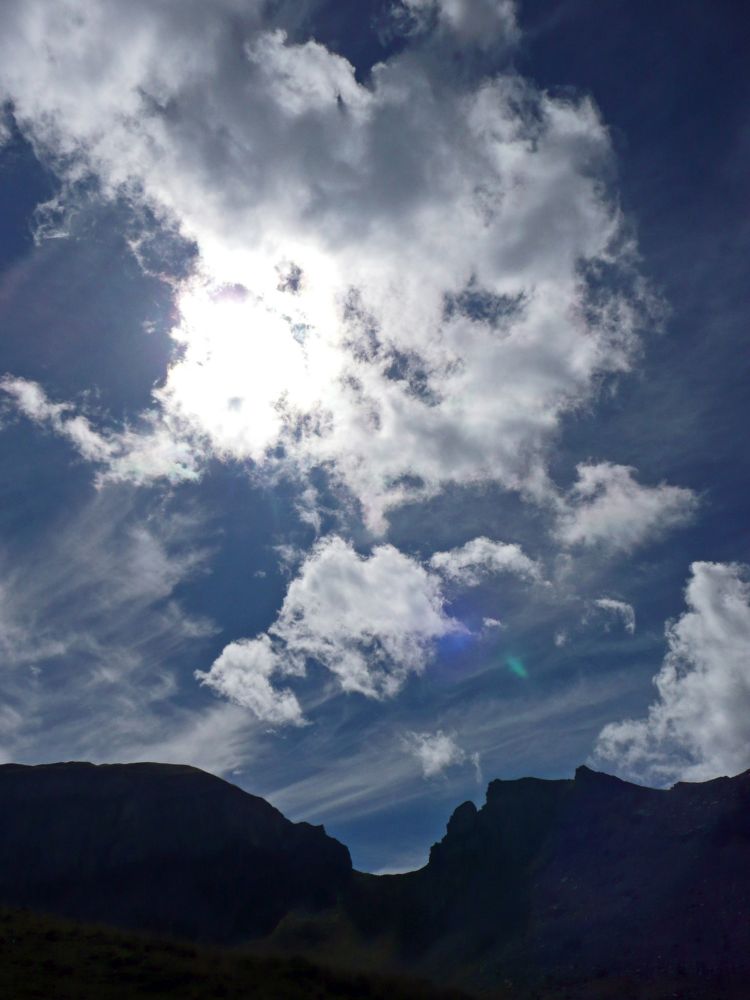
(570, 878)
(162, 847)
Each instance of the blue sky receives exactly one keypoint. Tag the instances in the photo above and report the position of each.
(373, 396)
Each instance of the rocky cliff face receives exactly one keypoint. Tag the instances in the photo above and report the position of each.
(550, 880)
(581, 878)
(159, 847)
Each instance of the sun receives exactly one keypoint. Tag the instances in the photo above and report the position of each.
(248, 359)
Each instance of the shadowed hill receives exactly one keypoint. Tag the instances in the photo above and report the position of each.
(159, 847)
(568, 881)
(551, 886)
(45, 957)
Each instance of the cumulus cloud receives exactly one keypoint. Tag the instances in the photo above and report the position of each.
(621, 609)
(393, 276)
(607, 507)
(482, 557)
(436, 752)
(699, 726)
(243, 675)
(370, 620)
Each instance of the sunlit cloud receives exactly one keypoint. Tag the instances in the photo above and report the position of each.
(402, 284)
(607, 507)
(620, 609)
(699, 725)
(392, 276)
(371, 621)
(436, 752)
(483, 557)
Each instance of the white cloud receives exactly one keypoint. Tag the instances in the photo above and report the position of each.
(699, 727)
(243, 675)
(32, 401)
(125, 456)
(371, 621)
(482, 557)
(436, 752)
(621, 609)
(308, 509)
(492, 623)
(6, 132)
(439, 326)
(607, 507)
(468, 22)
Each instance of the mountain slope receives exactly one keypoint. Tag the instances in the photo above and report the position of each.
(551, 886)
(45, 957)
(574, 879)
(158, 847)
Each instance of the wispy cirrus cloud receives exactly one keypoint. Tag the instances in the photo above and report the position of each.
(352, 787)
(92, 632)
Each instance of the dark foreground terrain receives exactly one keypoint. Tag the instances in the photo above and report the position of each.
(43, 957)
(583, 888)
(51, 959)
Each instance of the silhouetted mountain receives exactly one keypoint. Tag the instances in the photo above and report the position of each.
(550, 883)
(599, 874)
(158, 847)
(567, 881)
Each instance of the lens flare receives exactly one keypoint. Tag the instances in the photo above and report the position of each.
(515, 665)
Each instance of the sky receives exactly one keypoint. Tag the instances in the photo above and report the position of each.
(373, 396)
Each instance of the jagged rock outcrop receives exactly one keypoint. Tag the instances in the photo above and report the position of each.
(159, 847)
(577, 879)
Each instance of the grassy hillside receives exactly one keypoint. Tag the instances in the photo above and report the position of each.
(43, 957)
(331, 938)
